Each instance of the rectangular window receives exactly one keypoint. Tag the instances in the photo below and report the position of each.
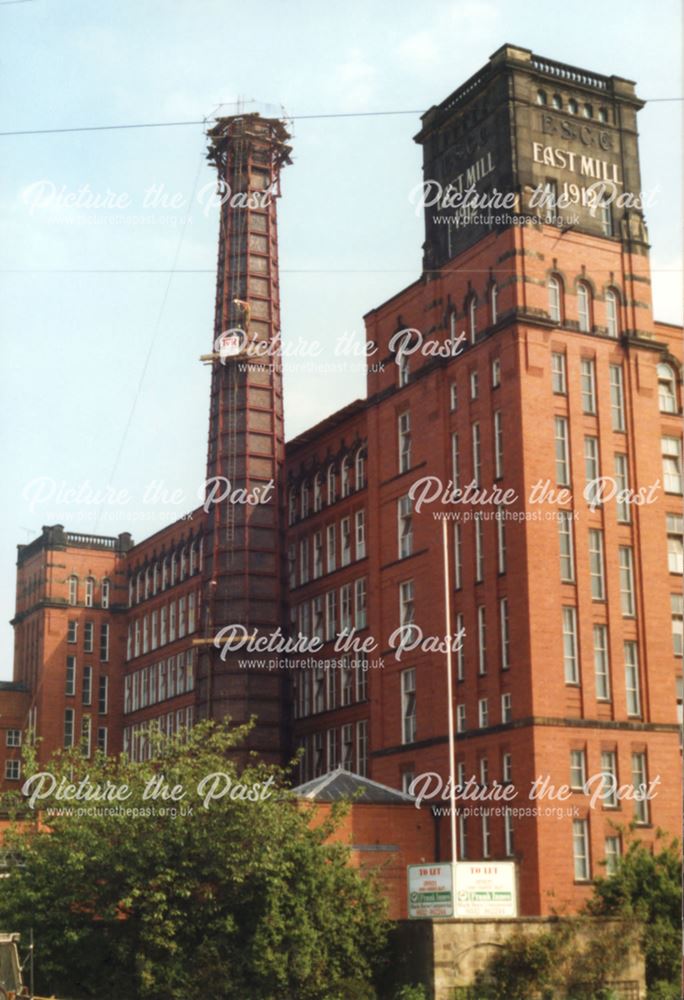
(506, 768)
(460, 718)
(13, 738)
(72, 631)
(580, 845)
(362, 747)
(345, 541)
(292, 566)
(609, 772)
(672, 464)
(104, 642)
(13, 770)
(458, 559)
(501, 538)
(408, 706)
(481, 641)
(570, 646)
(406, 605)
(360, 522)
(617, 398)
(331, 687)
(405, 526)
(360, 615)
(474, 385)
(347, 748)
(317, 557)
(332, 749)
(624, 515)
(330, 616)
(588, 385)
(102, 739)
(562, 453)
(627, 581)
(87, 685)
(86, 735)
(505, 637)
(612, 853)
(460, 654)
(330, 532)
(601, 663)
(578, 769)
(455, 462)
(70, 685)
(103, 696)
(304, 560)
(508, 834)
(498, 445)
(486, 836)
(68, 728)
(90, 592)
(677, 607)
(558, 376)
(632, 691)
(476, 453)
(496, 372)
(319, 690)
(596, 565)
(483, 713)
(479, 549)
(506, 707)
(162, 626)
(404, 424)
(567, 550)
(453, 396)
(675, 543)
(361, 680)
(640, 783)
(591, 470)
(345, 608)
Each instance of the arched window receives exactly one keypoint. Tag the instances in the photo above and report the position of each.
(104, 598)
(183, 563)
(165, 572)
(555, 299)
(304, 499)
(360, 468)
(174, 568)
(317, 492)
(541, 97)
(404, 370)
(131, 592)
(193, 557)
(493, 302)
(344, 477)
(472, 317)
(73, 589)
(588, 111)
(572, 106)
(612, 314)
(155, 578)
(667, 395)
(291, 506)
(452, 326)
(89, 591)
(584, 307)
(148, 582)
(331, 484)
(557, 101)
(138, 587)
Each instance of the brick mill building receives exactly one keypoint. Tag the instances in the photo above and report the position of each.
(568, 599)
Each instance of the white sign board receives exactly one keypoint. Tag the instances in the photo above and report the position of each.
(486, 889)
(430, 891)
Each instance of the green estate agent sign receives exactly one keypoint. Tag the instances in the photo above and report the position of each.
(466, 889)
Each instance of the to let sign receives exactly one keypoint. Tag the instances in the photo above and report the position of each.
(430, 891)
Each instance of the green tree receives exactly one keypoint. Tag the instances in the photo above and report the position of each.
(647, 886)
(243, 898)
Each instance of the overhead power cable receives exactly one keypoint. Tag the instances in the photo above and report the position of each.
(202, 121)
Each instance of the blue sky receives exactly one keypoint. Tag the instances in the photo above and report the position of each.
(96, 366)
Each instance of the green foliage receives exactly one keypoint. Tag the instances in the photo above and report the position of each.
(647, 887)
(241, 899)
(572, 959)
(414, 992)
